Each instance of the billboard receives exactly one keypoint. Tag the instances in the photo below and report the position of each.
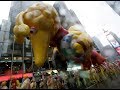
(113, 41)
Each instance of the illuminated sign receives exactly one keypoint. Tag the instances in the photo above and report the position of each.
(112, 40)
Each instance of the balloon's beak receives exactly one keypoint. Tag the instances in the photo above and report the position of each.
(40, 44)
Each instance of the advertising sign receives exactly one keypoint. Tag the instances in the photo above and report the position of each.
(112, 40)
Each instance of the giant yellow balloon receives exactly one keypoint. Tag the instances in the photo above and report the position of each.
(40, 22)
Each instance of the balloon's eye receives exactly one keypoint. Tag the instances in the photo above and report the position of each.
(33, 30)
(28, 38)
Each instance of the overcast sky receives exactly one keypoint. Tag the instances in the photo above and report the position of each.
(94, 15)
(4, 9)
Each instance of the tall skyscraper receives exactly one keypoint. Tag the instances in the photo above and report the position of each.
(4, 36)
(67, 17)
(115, 5)
(98, 44)
(115, 36)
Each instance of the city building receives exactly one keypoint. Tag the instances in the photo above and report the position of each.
(115, 5)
